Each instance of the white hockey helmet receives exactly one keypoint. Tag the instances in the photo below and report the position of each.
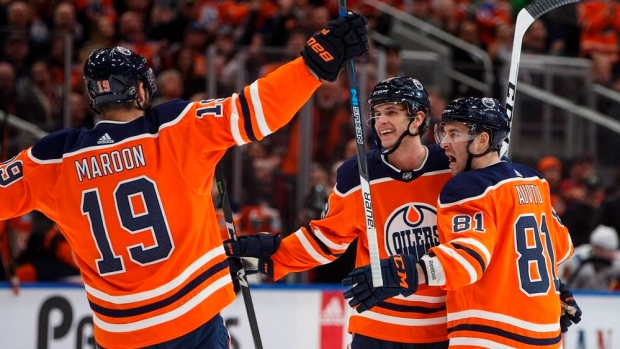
(604, 237)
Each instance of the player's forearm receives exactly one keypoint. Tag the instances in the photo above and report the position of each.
(284, 91)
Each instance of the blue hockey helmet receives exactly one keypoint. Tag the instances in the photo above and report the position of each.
(112, 76)
(405, 90)
(480, 114)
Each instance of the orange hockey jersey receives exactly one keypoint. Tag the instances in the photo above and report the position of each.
(501, 244)
(134, 202)
(404, 207)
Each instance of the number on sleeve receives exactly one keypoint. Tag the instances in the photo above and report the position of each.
(11, 173)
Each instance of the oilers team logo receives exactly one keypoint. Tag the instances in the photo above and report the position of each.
(411, 229)
(418, 84)
(123, 50)
(488, 102)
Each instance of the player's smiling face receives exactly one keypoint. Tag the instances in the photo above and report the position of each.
(391, 120)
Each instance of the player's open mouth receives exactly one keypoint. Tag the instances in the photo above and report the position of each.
(452, 159)
(384, 132)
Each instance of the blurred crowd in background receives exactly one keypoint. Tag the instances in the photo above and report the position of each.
(175, 37)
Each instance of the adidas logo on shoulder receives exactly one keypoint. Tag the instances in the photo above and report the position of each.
(105, 139)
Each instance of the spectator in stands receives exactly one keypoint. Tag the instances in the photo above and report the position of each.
(40, 99)
(169, 86)
(8, 89)
(582, 194)
(594, 266)
(191, 64)
(393, 60)
(600, 24)
(551, 169)
(467, 63)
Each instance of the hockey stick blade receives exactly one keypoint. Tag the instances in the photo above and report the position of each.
(235, 264)
(371, 231)
(525, 18)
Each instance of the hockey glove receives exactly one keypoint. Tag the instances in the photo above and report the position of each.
(341, 39)
(400, 276)
(571, 313)
(261, 246)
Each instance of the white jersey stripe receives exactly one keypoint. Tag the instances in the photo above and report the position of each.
(369, 314)
(334, 246)
(487, 315)
(258, 110)
(179, 280)
(477, 343)
(309, 249)
(478, 244)
(470, 269)
(234, 121)
(171, 315)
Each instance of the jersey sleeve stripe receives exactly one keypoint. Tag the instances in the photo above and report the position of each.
(181, 279)
(234, 121)
(258, 110)
(472, 253)
(171, 315)
(401, 321)
(462, 261)
(487, 315)
(332, 245)
(477, 244)
(191, 286)
(247, 117)
(309, 248)
(417, 298)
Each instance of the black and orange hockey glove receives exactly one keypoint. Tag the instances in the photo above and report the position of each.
(571, 313)
(261, 246)
(341, 39)
(400, 276)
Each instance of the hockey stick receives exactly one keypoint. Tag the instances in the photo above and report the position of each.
(371, 231)
(525, 18)
(235, 263)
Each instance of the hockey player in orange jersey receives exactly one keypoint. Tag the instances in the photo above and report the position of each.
(405, 180)
(132, 195)
(501, 243)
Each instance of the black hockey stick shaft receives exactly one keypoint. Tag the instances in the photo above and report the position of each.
(235, 263)
(525, 18)
(371, 232)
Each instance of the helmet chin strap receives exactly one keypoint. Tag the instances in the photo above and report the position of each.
(400, 139)
(471, 156)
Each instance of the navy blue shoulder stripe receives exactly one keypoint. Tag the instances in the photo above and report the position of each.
(322, 246)
(247, 117)
(55, 145)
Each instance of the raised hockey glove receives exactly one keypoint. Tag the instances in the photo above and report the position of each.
(341, 39)
(400, 276)
(571, 313)
(261, 246)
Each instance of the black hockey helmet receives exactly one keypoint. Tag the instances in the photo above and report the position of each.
(112, 76)
(405, 90)
(480, 114)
